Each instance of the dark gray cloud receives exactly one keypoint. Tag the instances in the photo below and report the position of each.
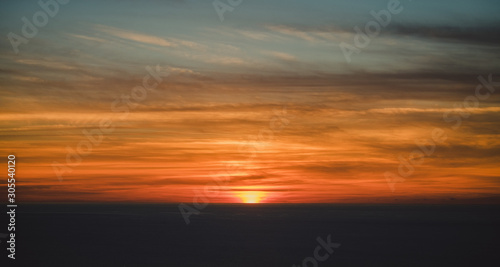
(487, 34)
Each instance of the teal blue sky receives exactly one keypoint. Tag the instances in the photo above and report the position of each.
(308, 32)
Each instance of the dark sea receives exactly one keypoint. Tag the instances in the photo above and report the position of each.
(262, 235)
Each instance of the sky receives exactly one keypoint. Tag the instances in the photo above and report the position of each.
(260, 106)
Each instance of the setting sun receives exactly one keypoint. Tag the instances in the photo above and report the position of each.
(251, 196)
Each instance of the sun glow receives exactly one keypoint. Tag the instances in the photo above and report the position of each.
(251, 197)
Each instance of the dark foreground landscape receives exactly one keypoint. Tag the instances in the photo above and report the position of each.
(256, 235)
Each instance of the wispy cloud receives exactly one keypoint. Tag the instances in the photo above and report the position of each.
(89, 38)
(280, 55)
(134, 36)
(146, 38)
(285, 30)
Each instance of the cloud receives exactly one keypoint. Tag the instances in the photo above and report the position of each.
(286, 30)
(486, 34)
(479, 110)
(88, 38)
(133, 36)
(281, 55)
(146, 39)
(47, 64)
